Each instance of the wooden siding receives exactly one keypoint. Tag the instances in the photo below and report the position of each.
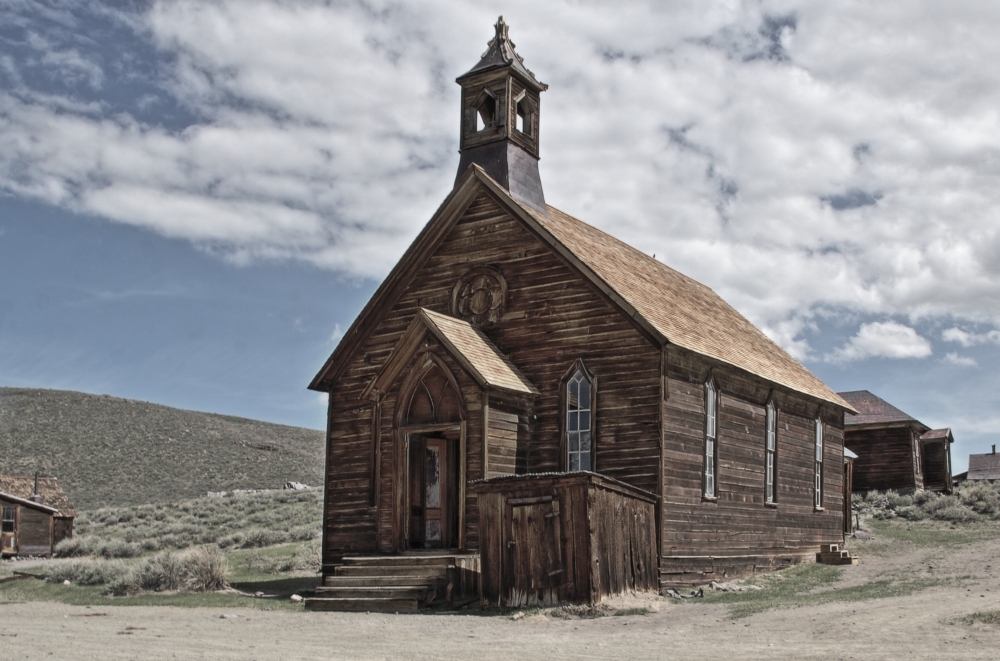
(737, 533)
(936, 475)
(885, 458)
(577, 537)
(552, 318)
(502, 442)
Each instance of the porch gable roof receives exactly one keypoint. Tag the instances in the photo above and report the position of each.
(466, 344)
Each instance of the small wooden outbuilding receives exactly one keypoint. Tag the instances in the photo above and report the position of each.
(895, 450)
(36, 515)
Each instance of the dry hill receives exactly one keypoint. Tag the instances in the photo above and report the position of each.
(111, 451)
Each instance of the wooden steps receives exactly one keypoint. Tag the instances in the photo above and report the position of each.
(387, 584)
(832, 554)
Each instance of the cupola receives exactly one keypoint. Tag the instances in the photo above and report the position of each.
(500, 120)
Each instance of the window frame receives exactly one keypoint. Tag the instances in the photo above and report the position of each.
(710, 448)
(4, 520)
(564, 431)
(770, 452)
(819, 447)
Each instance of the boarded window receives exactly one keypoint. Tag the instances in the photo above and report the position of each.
(579, 422)
(770, 446)
(818, 486)
(711, 417)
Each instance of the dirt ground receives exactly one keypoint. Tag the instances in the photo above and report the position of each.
(922, 625)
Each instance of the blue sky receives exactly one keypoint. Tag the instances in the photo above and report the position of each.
(197, 197)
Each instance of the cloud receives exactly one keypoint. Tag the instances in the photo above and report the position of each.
(795, 156)
(964, 361)
(886, 339)
(966, 339)
(337, 335)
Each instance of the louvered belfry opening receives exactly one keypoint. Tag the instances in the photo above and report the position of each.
(500, 112)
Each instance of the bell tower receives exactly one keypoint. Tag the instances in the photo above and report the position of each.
(500, 110)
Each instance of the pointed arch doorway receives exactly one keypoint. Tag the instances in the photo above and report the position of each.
(430, 430)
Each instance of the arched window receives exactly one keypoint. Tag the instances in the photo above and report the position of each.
(818, 486)
(579, 393)
(770, 448)
(711, 446)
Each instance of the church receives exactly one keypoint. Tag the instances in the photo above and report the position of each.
(529, 410)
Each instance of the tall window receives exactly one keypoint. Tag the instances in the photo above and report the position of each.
(818, 487)
(711, 406)
(579, 422)
(769, 448)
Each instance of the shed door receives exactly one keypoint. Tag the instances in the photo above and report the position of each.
(8, 532)
(535, 552)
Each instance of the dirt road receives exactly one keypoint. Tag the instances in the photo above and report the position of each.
(921, 625)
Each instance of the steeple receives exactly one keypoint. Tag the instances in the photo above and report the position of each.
(500, 109)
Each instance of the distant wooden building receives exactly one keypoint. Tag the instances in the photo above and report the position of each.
(36, 515)
(984, 466)
(895, 450)
(521, 378)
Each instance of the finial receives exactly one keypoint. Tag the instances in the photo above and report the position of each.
(502, 29)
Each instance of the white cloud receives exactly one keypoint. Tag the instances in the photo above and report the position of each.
(886, 339)
(796, 156)
(337, 335)
(964, 361)
(966, 339)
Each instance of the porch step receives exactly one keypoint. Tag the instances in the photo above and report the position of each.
(377, 581)
(363, 605)
(417, 592)
(832, 554)
(393, 560)
(393, 583)
(430, 571)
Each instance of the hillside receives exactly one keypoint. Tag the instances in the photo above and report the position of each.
(111, 451)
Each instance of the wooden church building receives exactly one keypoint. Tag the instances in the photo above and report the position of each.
(531, 411)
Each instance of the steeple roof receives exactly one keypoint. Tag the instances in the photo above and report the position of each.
(500, 53)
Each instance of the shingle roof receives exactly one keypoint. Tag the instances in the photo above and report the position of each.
(52, 494)
(466, 343)
(489, 365)
(684, 311)
(984, 466)
(872, 409)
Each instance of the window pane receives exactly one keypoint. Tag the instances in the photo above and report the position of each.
(574, 441)
(574, 421)
(585, 441)
(574, 461)
(573, 398)
(584, 394)
(585, 420)
(585, 461)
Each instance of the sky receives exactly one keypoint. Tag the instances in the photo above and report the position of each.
(198, 197)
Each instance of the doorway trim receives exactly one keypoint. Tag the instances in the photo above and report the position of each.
(403, 435)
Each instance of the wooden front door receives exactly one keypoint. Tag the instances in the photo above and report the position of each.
(432, 493)
(535, 552)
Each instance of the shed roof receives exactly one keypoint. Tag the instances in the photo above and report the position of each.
(52, 494)
(872, 409)
(984, 466)
(10, 498)
(938, 435)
